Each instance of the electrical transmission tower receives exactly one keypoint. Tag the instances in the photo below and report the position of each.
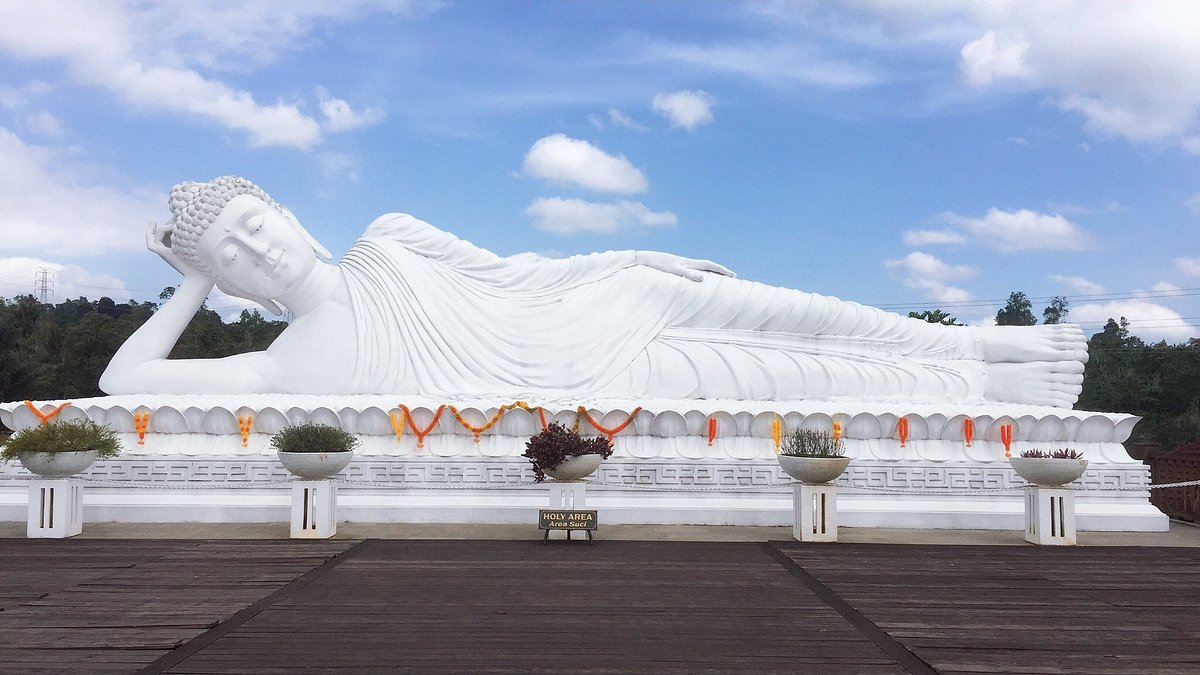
(43, 284)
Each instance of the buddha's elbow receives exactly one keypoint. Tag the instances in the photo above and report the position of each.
(113, 383)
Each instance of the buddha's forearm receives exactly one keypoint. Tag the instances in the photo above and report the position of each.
(155, 338)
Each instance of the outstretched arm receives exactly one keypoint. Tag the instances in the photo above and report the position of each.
(141, 365)
(689, 268)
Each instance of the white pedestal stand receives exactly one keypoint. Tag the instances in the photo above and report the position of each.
(815, 512)
(55, 508)
(570, 496)
(1049, 516)
(314, 509)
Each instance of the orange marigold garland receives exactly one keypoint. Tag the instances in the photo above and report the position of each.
(397, 420)
(421, 433)
(48, 416)
(244, 424)
(712, 430)
(837, 430)
(968, 430)
(608, 433)
(490, 423)
(777, 433)
(141, 422)
(902, 430)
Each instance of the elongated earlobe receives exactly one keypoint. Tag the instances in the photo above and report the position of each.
(322, 252)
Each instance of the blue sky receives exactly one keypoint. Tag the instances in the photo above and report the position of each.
(908, 155)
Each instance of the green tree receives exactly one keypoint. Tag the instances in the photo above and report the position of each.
(1056, 311)
(1018, 311)
(935, 316)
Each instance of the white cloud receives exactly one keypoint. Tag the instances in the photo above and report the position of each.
(562, 160)
(1078, 284)
(916, 238)
(1147, 320)
(686, 109)
(928, 274)
(340, 116)
(1166, 288)
(773, 63)
(568, 216)
(45, 124)
(993, 57)
(105, 44)
(1021, 230)
(339, 164)
(45, 205)
(1188, 266)
(620, 119)
(1127, 68)
(18, 277)
(1193, 203)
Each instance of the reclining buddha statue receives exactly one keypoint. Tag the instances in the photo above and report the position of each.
(414, 310)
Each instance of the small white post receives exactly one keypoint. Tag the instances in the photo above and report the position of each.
(815, 512)
(314, 509)
(55, 508)
(570, 496)
(1049, 516)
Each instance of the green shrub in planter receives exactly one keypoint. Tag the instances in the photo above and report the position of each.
(312, 437)
(63, 436)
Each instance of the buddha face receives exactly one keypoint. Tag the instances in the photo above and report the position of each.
(254, 251)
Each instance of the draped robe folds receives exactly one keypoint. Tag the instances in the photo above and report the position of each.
(438, 316)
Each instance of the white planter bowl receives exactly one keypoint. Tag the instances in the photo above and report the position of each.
(575, 467)
(57, 464)
(314, 465)
(1048, 472)
(813, 470)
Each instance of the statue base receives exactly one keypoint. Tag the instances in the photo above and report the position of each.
(194, 466)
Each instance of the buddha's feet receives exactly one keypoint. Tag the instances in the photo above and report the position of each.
(1035, 365)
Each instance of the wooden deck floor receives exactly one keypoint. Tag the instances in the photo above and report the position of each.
(616, 606)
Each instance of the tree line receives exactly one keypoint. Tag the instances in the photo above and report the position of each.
(58, 351)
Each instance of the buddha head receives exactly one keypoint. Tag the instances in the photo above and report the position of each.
(251, 246)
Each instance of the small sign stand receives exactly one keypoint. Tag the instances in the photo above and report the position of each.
(566, 511)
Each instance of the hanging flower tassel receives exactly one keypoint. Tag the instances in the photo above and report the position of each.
(542, 418)
(397, 424)
(968, 430)
(48, 416)
(421, 433)
(777, 433)
(902, 430)
(837, 430)
(1006, 439)
(141, 422)
(244, 424)
(608, 433)
(712, 430)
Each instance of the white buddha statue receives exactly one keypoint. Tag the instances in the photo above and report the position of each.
(412, 310)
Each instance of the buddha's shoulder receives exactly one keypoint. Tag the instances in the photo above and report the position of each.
(397, 224)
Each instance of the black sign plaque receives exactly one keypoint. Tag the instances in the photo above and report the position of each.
(567, 519)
